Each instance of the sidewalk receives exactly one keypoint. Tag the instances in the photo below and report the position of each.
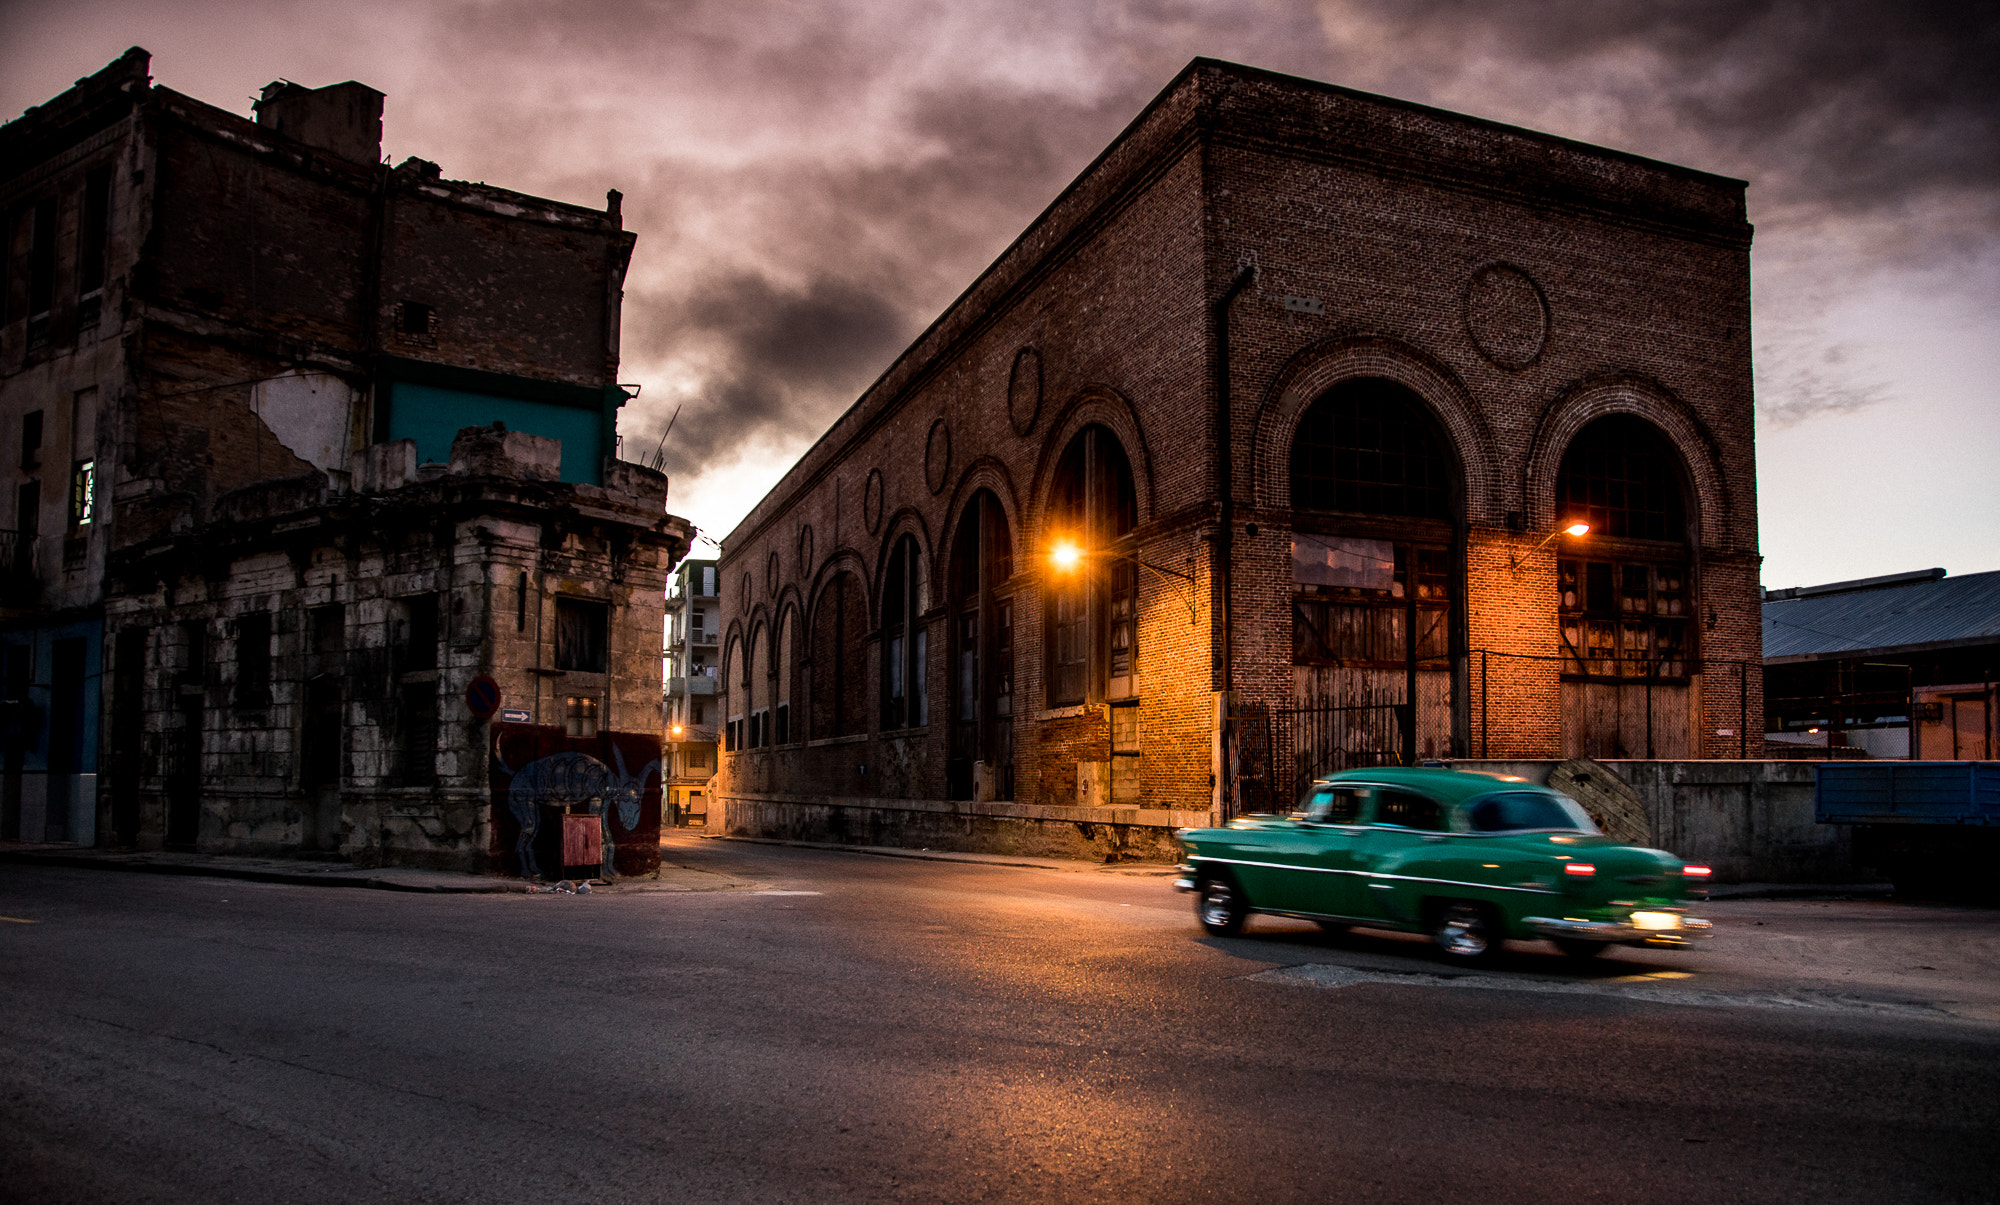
(257, 870)
(300, 873)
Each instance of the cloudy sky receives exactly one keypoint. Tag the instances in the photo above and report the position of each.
(813, 182)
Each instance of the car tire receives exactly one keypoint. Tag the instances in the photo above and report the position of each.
(1333, 926)
(1582, 951)
(1465, 931)
(1219, 905)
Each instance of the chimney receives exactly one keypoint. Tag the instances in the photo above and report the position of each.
(345, 119)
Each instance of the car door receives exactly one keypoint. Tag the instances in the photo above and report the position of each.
(1297, 859)
(1396, 853)
(1325, 880)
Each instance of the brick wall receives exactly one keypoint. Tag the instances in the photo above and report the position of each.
(1373, 226)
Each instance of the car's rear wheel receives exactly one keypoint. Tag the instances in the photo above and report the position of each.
(1465, 931)
(1582, 951)
(1220, 906)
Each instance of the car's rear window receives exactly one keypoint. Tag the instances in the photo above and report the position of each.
(1515, 811)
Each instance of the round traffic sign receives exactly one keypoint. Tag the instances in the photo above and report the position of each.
(482, 695)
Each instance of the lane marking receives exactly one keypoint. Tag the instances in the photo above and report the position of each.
(20, 920)
(1630, 987)
(788, 893)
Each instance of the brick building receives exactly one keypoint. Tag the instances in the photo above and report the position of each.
(1245, 462)
(335, 443)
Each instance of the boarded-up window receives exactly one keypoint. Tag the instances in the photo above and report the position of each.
(418, 728)
(253, 659)
(581, 627)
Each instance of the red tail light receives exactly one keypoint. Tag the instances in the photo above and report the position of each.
(1696, 872)
(1581, 870)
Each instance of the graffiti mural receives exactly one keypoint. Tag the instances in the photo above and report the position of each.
(538, 775)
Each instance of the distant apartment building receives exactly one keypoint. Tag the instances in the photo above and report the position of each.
(313, 467)
(694, 608)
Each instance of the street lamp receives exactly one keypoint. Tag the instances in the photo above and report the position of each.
(1066, 557)
(1576, 528)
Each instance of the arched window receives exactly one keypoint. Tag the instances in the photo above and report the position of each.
(905, 638)
(1624, 591)
(1369, 452)
(781, 711)
(757, 689)
(835, 657)
(732, 695)
(982, 643)
(1370, 447)
(1092, 611)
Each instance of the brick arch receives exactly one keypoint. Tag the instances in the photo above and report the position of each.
(907, 521)
(985, 473)
(841, 560)
(1593, 399)
(1317, 369)
(1108, 408)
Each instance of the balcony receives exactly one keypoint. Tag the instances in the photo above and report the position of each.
(700, 684)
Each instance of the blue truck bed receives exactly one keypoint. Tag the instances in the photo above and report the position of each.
(1917, 792)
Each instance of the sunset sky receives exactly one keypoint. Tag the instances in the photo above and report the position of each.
(813, 182)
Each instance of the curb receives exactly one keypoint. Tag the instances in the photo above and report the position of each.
(253, 874)
(1063, 865)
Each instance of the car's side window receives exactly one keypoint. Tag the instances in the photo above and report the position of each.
(1335, 805)
(1405, 810)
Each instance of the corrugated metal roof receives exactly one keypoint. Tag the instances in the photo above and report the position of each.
(1950, 609)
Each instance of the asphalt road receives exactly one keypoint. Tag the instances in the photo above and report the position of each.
(822, 1026)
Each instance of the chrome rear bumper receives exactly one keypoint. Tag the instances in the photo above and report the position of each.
(1686, 930)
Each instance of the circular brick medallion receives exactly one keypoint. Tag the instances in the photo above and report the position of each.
(1506, 315)
(871, 501)
(771, 574)
(937, 457)
(744, 606)
(805, 550)
(1024, 390)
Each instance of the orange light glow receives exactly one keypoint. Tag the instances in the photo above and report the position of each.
(1578, 529)
(1066, 556)
(677, 731)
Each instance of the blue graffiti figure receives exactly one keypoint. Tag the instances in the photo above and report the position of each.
(572, 779)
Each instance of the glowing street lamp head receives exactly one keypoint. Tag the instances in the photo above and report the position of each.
(1065, 555)
(677, 731)
(1578, 529)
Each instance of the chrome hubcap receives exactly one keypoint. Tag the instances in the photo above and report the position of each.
(1462, 931)
(1217, 903)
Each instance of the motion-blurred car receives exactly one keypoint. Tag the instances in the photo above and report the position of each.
(1472, 859)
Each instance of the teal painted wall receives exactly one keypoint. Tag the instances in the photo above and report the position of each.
(432, 416)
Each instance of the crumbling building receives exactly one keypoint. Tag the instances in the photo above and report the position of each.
(318, 479)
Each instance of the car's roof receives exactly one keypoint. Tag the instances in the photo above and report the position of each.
(1453, 786)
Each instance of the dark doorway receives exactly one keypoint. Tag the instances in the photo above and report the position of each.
(128, 682)
(16, 671)
(66, 669)
(322, 746)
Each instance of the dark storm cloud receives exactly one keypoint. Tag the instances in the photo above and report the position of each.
(1853, 102)
(778, 354)
(813, 181)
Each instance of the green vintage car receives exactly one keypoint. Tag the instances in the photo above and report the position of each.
(1470, 858)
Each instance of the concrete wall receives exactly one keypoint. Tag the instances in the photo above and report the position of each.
(1750, 820)
(1097, 834)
